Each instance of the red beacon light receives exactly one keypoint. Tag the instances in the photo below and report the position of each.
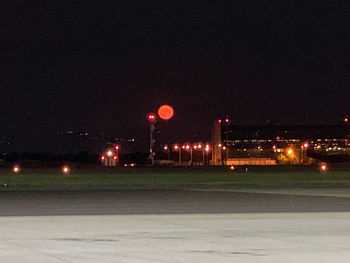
(116, 147)
(151, 117)
(323, 167)
(66, 169)
(16, 169)
(115, 157)
(306, 145)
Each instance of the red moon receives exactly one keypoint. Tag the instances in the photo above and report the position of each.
(166, 112)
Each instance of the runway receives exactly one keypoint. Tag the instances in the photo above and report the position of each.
(124, 202)
(173, 226)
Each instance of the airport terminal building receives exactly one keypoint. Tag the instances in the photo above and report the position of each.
(279, 144)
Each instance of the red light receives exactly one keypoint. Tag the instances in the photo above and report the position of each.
(195, 146)
(219, 121)
(16, 169)
(277, 138)
(183, 147)
(227, 120)
(306, 145)
(176, 147)
(187, 147)
(115, 157)
(323, 167)
(117, 147)
(346, 119)
(151, 117)
(102, 158)
(65, 169)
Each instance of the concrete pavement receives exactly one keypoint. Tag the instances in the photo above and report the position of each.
(274, 237)
(173, 226)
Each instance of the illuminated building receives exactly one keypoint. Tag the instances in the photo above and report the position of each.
(269, 145)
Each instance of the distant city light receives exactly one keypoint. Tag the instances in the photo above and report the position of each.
(176, 147)
(116, 147)
(346, 120)
(109, 153)
(102, 157)
(115, 157)
(306, 145)
(278, 138)
(290, 151)
(219, 120)
(199, 146)
(195, 147)
(219, 145)
(165, 147)
(188, 147)
(227, 120)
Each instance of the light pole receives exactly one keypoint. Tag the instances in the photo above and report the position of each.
(152, 120)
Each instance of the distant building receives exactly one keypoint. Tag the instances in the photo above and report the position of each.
(275, 144)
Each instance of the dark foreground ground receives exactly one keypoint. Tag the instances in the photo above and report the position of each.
(98, 202)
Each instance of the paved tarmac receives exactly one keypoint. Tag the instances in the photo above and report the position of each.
(88, 202)
(173, 226)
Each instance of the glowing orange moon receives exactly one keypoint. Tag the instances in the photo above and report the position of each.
(166, 112)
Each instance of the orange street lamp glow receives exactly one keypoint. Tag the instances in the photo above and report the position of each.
(290, 151)
(166, 112)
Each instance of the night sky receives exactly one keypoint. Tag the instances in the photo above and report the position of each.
(103, 65)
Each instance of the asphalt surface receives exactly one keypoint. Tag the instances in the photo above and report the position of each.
(128, 202)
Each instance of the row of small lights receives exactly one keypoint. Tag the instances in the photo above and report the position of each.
(188, 147)
(17, 169)
(66, 169)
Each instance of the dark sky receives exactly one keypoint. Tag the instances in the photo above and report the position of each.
(102, 65)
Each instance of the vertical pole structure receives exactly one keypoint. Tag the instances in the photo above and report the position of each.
(180, 156)
(151, 142)
(191, 155)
